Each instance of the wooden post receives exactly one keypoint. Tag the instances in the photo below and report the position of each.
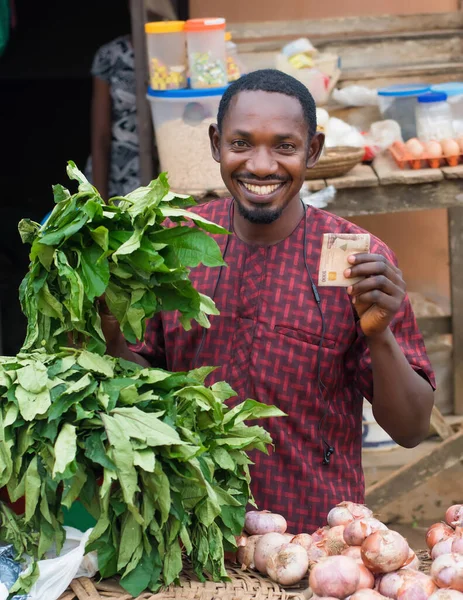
(145, 128)
(455, 216)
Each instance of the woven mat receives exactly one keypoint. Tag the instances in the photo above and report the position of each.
(425, 561)
(244, 585)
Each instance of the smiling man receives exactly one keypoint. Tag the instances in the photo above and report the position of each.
(315, 353)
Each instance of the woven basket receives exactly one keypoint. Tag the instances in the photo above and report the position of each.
(244, 585)
(336, 162)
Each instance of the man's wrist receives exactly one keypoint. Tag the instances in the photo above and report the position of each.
(383, 338)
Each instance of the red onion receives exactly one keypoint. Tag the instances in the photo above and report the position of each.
(356, 532)
(334, 540)
(303, 539)
(367, 579)
(406, 584)
(412, 562)
(339, 515)
(384, 551)
(268, 544)
(261, 522)
(447, 571)
(316, 552)
(457, 544)
(446, 595)
(354, 552)
(438, 532)
(454, 515)
(367, 595)
(320, 534)
(358, 511)
(336, 576)
(245, 554)
(289, 565)
(442, 547)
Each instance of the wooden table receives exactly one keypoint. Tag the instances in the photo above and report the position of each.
(384, 188)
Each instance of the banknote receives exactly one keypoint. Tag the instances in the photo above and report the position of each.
(336, 249)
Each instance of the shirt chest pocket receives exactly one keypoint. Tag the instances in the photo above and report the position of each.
(313, 338)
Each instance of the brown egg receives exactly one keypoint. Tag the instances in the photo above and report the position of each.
(414, 147)
(450, 148)
(460, 143)
(433, 150)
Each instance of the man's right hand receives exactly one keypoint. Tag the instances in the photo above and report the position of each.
(116, 344)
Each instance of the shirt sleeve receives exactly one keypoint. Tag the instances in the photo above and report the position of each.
(408, 336)
(153, 346)
(103, 63)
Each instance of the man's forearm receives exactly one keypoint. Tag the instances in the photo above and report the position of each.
(403, 400)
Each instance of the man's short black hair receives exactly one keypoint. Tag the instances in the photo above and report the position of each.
(273, 81)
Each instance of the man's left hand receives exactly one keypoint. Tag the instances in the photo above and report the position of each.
(378, 297)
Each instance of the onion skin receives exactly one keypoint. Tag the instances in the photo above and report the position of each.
(412, 562)
(245, 554)
(268, 544)
(356, 532)
(358, 511)
(384, 551)
(336, 576)
(320, 534)
(438, 532)
(289, 565)
(303, 539)
(334, 540)
(407, 584)
(457, 544)
(260, 522)
(339, 515)
(454, 515)
(442, 547)
(316, 553)
(447, 571)
(354, 552)
(444, 594)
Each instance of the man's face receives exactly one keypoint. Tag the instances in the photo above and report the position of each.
(264, 151)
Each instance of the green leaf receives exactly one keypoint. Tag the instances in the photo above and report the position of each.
(32, 489)
(33, 378)
(197, 219)
(172, 563)
(101, 236)
(191, 246)
(95, 272)
(95, 363)
(96, 452)
(146, 574)
(65, 449)
(32, 404)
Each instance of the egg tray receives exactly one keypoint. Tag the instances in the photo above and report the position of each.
(404, 159)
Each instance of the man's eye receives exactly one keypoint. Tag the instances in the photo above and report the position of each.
(286, 146)
(239, 144)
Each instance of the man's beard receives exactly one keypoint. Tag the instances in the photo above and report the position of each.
(259, 215)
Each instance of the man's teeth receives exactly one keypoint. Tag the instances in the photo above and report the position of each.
(261, 190)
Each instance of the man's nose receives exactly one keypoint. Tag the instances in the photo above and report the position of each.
(262, 163)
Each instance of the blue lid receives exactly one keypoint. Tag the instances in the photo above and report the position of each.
(452, 88)
(404, 90)
(187, 93)
(432, 97)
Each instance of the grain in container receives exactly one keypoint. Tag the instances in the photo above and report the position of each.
(433, 117)
(166, 47)
(181, 121)
(398, 102)
(234, 69)
(454, 91)
(206, 53)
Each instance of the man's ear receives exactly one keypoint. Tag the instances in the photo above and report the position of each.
(214, 137)
(315, 149)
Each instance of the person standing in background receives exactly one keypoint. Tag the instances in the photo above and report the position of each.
(114, 166)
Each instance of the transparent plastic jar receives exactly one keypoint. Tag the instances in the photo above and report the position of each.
(454, 91)
(433, 117)
(398, 102)
(206, 53)
(166, 55)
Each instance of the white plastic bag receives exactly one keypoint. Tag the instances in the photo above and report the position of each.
(3, 592)
(355, 95)
(57, 573)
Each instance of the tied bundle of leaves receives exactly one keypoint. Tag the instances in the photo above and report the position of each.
(156, 457)
(87, 248)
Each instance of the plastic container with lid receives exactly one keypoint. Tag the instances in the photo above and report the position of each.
(398, 102)
(206, 53)
(166, 55)
(454, 91)
(181, 121)
(234, 67)
(433, 117)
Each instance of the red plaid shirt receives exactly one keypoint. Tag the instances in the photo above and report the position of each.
(265, 342)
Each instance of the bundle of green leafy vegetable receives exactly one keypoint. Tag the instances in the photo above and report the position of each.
(87, 248)
(157, 458)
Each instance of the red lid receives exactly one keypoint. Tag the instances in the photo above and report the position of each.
(204, 24)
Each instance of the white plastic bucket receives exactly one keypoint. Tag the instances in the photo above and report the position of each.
(373, 436)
